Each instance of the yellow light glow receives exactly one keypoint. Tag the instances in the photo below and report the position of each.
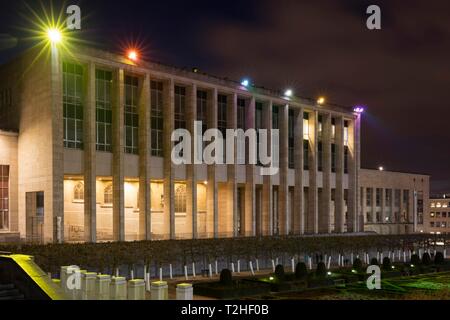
(54, 35)
(133, 55)
(321, 100)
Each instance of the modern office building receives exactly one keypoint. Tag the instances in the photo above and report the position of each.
(86, 154)
(439, 221)
(394, 202)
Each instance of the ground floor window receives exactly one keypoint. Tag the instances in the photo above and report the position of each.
(4, 197)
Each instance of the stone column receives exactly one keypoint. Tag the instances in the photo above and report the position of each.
(266, 220)
(185, 291)
(102, 287)
(324, 218)
(212, 210)
(169, 181)
(191, 169)
(118, 289)
(118, 156)
(353, 174)
(339, 215)
(232, 197)
(312, 216)
(145, 218)
(136, 289)
(283, 190)
(299, 218)
(90, 204)
(249, 222)
(159, 290)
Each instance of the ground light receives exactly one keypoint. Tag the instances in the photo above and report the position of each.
(54, 35)
(329, 273)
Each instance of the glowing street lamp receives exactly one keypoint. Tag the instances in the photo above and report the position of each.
(358, 109)
(288, 93)
(54, 35)
(245, 82)
(321, 101)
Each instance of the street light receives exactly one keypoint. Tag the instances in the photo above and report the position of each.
(54, 35)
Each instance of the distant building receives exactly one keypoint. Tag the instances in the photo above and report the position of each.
(439, 220)
(394, 202)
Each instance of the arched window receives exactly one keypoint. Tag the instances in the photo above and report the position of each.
(180, 199)
(108, 194)
(78, 192)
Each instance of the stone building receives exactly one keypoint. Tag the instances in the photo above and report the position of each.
(394, 202)
(439, 215)
(89, 156)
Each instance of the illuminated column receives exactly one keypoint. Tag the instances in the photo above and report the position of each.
(191, 169)
(145, 218)
(339, 214)
(90, 205)
(266, 221)
(118, 157)
(364, 205)
(232, 197)
(299, 219)
(212, 217)
(312, 215)
(353, 174)
(324, 217)
(169, 181)
(283, 191)
(249, 216)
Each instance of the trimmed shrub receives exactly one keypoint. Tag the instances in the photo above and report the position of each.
(357, 264)
(426, 259)
(415, 259)
(439, 258)
(226, 277)
(387, 263)
(374, 262)
(300, 271)
(279, 273)
(321, 270)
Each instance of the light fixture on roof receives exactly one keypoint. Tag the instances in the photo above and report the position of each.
(358, 109)
(321, 100)
(245, 82)
(288, 93)
(133, 55)
(381, 168)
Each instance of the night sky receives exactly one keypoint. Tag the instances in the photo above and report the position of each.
(401, 73)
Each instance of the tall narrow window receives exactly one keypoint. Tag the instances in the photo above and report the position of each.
(258, 125)
(275, 117)
(291, 141)
(306, 126)
(320, 156)
(180, 107)
(72, 105)
(202, 105)
(222, 114)
(305, 154)
(180, 199)
(345, 159)
(333, 157)
(4, 197)
(78, 192)
(346, 133)
(108, 194)
(157, 119)
(320, 129)
(131, 115)
(241, 119)
(103, 81)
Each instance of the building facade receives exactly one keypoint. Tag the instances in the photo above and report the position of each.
(439, 221)
(91, 159)
(394, 202)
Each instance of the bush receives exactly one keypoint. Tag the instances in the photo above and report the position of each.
(226, 277)
(415, 259)
(374, 262)
(279, 273)
(300, 271)
(386, 263)
(426, 259)
(357, 264)
(439, 258)
(321, 270)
